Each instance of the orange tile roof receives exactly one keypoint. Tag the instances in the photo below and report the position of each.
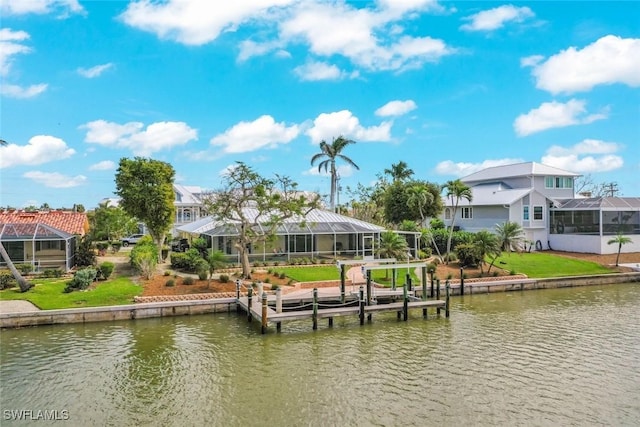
(71, 222)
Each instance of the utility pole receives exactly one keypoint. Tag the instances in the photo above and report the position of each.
(610, 189)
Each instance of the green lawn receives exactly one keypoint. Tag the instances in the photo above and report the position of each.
(539, 264)
(48, 294)
(310, 274)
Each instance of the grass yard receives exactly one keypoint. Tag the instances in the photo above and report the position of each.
(539, 265)
(48, 294)
(311, 274)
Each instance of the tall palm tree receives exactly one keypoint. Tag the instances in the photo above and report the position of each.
(399, 171)
(392, 245)
(620, 240)
(22, 282)
(419, 197)
(456, 190)
(329, 153)
(510, 235)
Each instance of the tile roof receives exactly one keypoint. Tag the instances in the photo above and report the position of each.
(69, 222)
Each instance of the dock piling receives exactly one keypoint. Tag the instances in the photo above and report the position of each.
(343, 274)
(263, 329)
(446, 301)
(438, 293)
(315, 309)
(361, 313)
(461, 281)
(249, 301)
(405, 306)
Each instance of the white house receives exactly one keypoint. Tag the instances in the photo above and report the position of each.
(541, 199)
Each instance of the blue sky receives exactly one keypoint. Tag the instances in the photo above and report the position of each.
(448, 87)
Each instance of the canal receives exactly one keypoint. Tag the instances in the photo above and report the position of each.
(537, 358)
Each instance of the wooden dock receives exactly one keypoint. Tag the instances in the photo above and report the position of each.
(267, 313)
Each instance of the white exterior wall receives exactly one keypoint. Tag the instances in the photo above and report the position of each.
(590, 244)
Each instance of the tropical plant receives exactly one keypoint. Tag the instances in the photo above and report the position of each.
(619, 240)
(510, 236)
(85, 256)
(144, 257)
(488, 246)
(392, 245)
(456, 191)
(327, 156)
(399, 171)
(468, 254)
(81, 280)
(215, 260)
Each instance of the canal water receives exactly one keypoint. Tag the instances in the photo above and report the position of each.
(535, 358)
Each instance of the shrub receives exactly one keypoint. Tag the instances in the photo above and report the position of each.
(188, 281)
(450, 257)
(513, 273)
(274, 287)
(468, 254)
(203, 274)
(425, 253)
(106, 268)
(166, 273)
(267, 280)
(81, 280)
(256, 264)
(270, 271)
(144, 257)
(276, 263)
(432, 267)
(25, 268)
(85, 256)
(282, 275)
(52, 272)
(170, 283)
(449, 276)
(224, 278)
(200, 245)
(495, 274)
(6, 279)
(290, 282)
(102, 247)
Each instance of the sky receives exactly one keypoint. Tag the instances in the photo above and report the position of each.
(447, 87)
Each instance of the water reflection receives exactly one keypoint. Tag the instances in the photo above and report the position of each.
(555, 357)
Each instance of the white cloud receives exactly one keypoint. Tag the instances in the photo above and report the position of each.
(22, 7)
(554, 115)
(55, 179)
(105, 165)
(608, 60)
(142, 142)
(313, 71)
(15, 91)
(590, 155)
(92, 72)
(40, 149)
(492, 19)
(9, 47)
(459, 169)
(195, 22)
(396, 108)
(531, 61)
(331, 125)
(263, 132)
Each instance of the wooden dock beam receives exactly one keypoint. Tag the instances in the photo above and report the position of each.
(265, 320)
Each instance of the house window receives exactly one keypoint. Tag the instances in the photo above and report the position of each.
(558, 182)
(537, 213)
(467, 213)
(568, 183)
(548, 182)
(186, 216)
(525, 213)
(447, 213)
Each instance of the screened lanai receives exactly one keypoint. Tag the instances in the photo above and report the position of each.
(38, 244)
(319, 234)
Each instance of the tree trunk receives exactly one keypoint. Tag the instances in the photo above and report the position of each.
(22, 282)
(332, 202)
(618, 256)
(244, 259)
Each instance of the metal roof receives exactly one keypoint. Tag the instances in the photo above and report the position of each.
(516, 170)
(315, 222)
(604, 203)
(31, 232)
(492, 194)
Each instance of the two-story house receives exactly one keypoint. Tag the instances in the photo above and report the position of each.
(541, 199)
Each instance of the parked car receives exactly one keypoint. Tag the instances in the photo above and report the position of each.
(131, 240)
(180, 245)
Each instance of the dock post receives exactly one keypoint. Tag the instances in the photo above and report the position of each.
(278, 307)
(405, 304)
(361, 305)
(260, 289)
(393, 279)
(368, 287)
(407, 282)
(315, 308)
(263, 329)
(343, 275)
(424, 290)
(238, 295)
(446, 301)
(330, 322)
(461, 281)
(432, 283)
(249, 302)
(438, 293)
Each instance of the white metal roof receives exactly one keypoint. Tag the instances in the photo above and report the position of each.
(316, 222)
(188, 195)
(492, 194)
(516, 170)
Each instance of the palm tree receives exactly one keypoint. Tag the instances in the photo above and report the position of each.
(399, 171)
(419, 197)
(456, 190)
(22, 282)
(392, 245)
(488, 245)
(330, 153)
(510, 235)
(216, 260)
(620, 240)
